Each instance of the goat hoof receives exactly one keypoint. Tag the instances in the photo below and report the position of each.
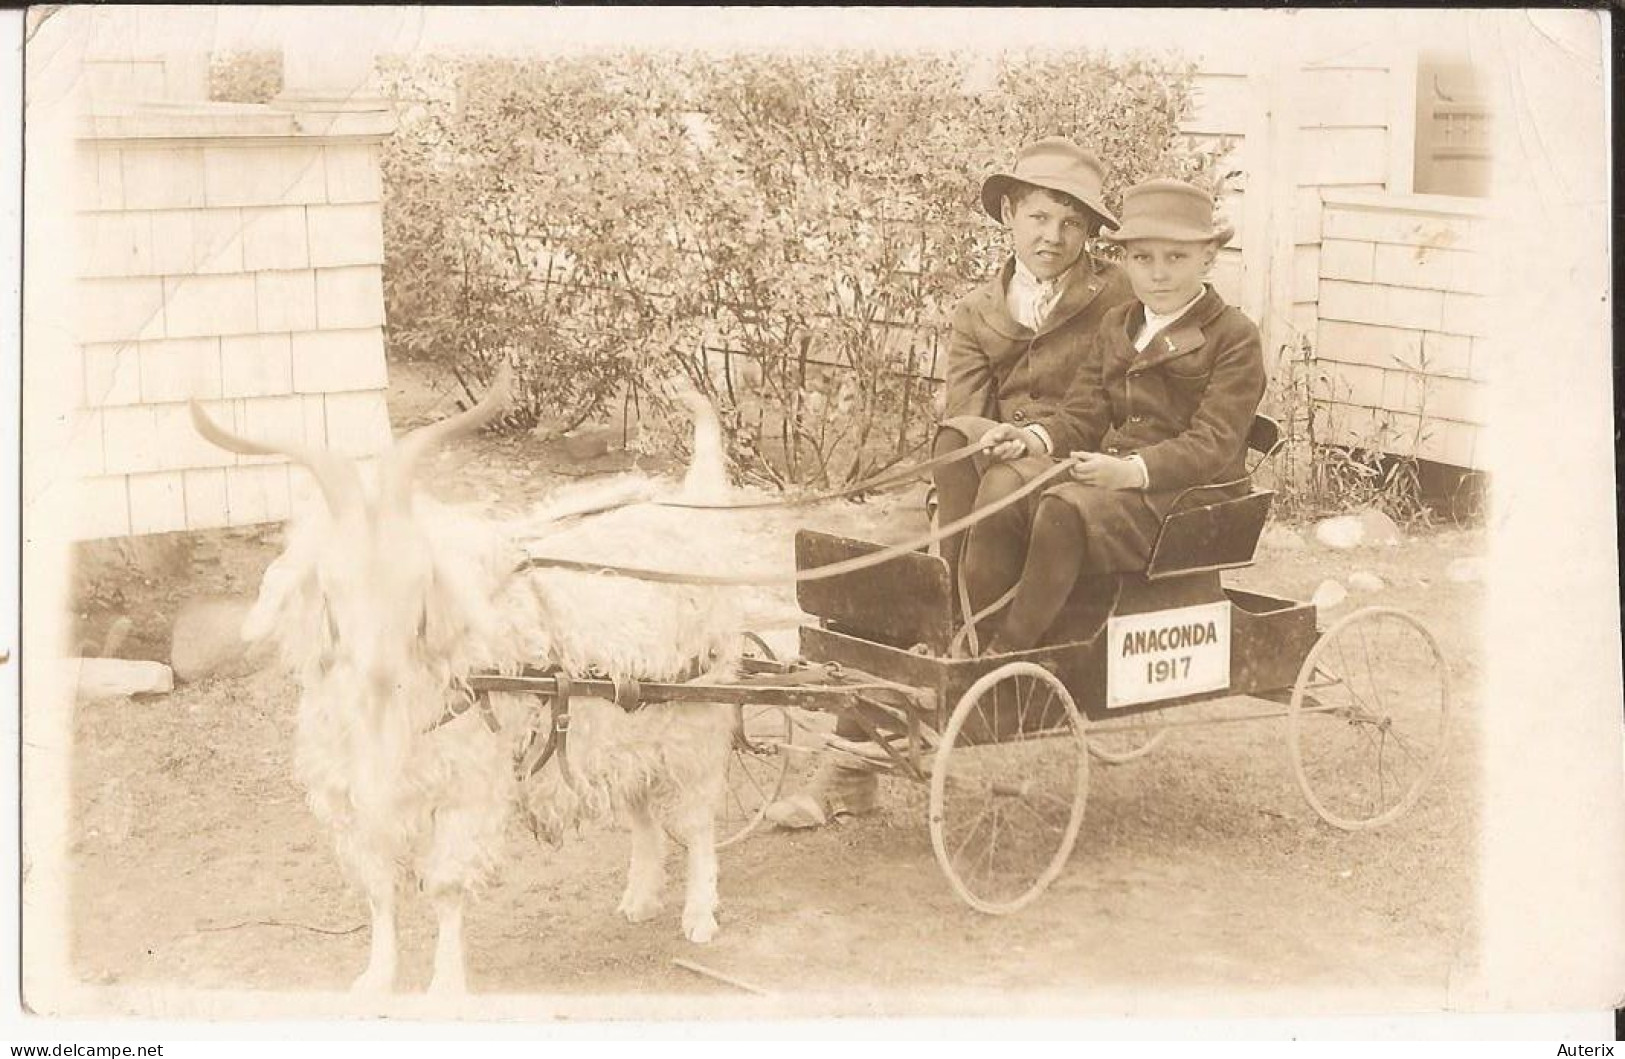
(700, 929)
(372, 983)
(448, 987)
(639, 909)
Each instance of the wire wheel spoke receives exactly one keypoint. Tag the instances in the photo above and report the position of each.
(1369, 718)
(753, 777)
(1008, 785)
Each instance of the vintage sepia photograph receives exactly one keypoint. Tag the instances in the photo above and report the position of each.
(730, 513)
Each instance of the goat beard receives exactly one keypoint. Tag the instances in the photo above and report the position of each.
(377, 734)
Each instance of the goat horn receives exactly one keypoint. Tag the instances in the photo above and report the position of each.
(335, 476)
(409, 450)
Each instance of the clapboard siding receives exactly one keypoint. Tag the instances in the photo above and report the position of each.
(1322, 121)
(1403, 307)
(241, 270)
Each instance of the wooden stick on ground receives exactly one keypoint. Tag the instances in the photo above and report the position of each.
(689, 965)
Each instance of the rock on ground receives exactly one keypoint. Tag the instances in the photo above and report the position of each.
(1366, 581)
(1328, 595)
(1363, 528)
(106, 678)
(206, 639)
(1344, 531)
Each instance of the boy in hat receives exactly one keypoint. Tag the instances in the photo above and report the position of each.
(1164, 403)
(1016, 342)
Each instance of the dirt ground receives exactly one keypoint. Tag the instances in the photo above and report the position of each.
(1201, 867)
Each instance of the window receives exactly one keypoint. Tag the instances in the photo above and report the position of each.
(1452, 127)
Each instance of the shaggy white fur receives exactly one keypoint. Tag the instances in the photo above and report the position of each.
(384, 611)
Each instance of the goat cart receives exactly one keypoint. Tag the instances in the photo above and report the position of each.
(1005, 740)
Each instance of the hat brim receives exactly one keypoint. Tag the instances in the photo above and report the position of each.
(1146, 228)
(995, 187)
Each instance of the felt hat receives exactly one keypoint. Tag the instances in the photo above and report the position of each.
(1168, 209)
(1055, 163)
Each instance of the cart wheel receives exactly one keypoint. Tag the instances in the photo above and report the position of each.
(757, 763)
(1369, 716)
(1006, 802)
(1117, 745)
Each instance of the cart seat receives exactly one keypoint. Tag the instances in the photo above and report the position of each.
(1218, 536)
(1222, 533)
(902, 603)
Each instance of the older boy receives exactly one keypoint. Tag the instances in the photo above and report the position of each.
(1165, 403)
(1018, 339)
(1016, 342)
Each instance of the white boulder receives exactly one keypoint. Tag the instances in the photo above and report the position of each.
(1329, 594)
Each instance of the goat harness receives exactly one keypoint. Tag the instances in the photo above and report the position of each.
(538, 750)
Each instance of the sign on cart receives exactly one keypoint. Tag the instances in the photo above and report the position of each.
(1167, 654)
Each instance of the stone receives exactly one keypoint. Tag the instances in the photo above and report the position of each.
(1466, 571)
(1379, 528)
(1366, 581)
(1369, 527)
(1329, 594)
(1344, 531)
(107, 678)
(795, 813)
(206, 639)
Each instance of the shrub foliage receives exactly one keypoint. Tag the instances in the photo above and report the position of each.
(790, 232)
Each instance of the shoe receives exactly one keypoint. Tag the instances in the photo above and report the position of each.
(836, 790)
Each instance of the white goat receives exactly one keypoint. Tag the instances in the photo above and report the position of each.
(383, 605)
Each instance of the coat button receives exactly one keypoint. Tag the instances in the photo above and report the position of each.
(1020, 416)
(1135, 419)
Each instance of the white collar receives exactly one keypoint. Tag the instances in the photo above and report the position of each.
(1155, 321)
(1024, 275)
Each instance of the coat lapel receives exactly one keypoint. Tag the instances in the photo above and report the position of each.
(1083, 286)
(996, 307)
(1184, 335)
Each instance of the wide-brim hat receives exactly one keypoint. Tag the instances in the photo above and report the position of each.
(1168, 209)
(1056, 164)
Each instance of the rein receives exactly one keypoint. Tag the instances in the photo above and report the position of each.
(818, 573)
(884, 480)
(880, 481)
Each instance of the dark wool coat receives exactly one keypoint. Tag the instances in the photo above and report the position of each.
(1001, 370)
(1184, 405)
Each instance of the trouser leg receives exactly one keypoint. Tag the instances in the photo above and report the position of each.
(998, 544)
(1055, 557)
(956, 494)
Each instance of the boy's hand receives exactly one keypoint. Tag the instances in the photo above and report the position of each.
(1010, 442)
(1105, 472)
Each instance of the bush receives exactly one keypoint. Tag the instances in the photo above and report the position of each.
(790, 232)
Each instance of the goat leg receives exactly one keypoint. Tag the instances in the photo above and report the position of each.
(646, 875)
(379, 977)
(450, 969)
(696, 826)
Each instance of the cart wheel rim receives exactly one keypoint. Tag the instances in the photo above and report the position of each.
(755, 772)
(1038, 841)
(1122, 746)
(1363, 745)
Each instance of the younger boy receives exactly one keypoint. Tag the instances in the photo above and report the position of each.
(1164, 403)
